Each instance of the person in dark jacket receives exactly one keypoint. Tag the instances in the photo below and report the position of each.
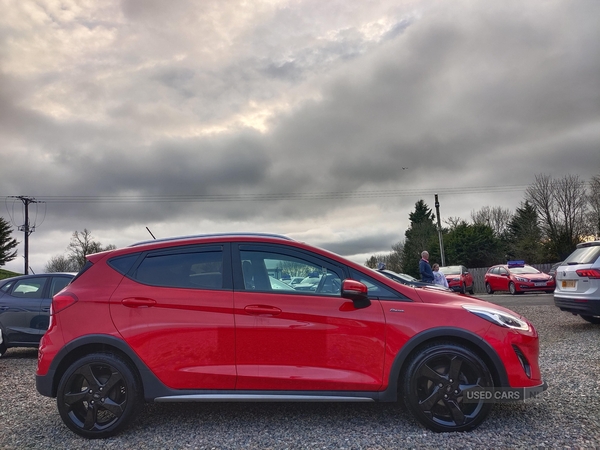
(425, 268)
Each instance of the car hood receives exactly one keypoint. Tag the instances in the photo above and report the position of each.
(458, 300)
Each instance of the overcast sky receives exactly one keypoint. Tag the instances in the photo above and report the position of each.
(322, 120)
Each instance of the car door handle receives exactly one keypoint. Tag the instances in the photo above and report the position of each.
(262, 310)
(137, 302)
(46, 309)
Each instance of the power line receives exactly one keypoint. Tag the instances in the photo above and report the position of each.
(182, 198)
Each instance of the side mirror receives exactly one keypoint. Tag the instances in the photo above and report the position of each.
(357, 292)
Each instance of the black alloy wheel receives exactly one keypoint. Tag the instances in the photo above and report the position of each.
(435, 385)
(488, 288)
(98, 395)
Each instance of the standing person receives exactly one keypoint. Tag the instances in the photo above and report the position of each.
(439, 277)
(425, 268)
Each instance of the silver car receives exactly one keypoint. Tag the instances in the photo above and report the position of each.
(578, 282)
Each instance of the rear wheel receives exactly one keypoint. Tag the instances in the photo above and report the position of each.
(98, 395)
(488, 288)
(436, 382)
(592, 319)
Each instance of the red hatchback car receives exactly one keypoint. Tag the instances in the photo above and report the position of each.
(517, 278)
(208, 318)
(459, 279)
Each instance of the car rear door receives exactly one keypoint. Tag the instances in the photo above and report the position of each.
(310, 340)
(175, 310)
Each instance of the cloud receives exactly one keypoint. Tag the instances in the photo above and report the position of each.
(221, 101)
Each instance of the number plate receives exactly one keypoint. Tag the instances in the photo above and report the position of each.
(568, 283)
(540, 283)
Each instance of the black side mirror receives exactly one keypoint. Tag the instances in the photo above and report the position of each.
(357, 292)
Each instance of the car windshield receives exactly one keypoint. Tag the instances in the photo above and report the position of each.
(451, 270)
(526, 269)
(583, 255)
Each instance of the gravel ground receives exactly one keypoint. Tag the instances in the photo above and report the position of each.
(567, 415)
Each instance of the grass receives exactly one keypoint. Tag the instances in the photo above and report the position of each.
(8, 274)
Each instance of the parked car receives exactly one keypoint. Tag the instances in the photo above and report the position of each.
(552, 271)
(409, 280)
(24, 307)
(517, 278)
(578, 282)
(459, 279)
(197, 319)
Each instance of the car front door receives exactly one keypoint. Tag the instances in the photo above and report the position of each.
(311, 340)
(174, 308)
(20, 311)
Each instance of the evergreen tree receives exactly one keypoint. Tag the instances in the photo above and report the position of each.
(8, 245)
(421, 235)
(472, 246)
(525, 235)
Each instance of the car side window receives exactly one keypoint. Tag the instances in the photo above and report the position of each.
(376, 289)
(58, 283)
(182, 269)
(29, 288)
(269, 271)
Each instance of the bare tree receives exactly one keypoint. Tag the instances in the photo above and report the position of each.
(497, 218)
(561, 206)
(594, 202)
(61, 263)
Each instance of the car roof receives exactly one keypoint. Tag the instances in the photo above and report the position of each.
(213, 235)
(588, 244)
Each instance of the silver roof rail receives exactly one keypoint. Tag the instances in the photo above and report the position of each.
(178, 238)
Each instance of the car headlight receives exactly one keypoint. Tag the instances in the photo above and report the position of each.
(524, 280)
(500, 318)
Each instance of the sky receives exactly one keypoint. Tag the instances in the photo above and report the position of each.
(325, 121)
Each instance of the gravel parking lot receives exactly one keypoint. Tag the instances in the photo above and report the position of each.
(567, 415)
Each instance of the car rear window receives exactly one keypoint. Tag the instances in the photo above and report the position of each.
(583, 255)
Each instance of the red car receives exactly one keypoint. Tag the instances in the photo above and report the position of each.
(517, 278)
(207, 319)
(459, 279)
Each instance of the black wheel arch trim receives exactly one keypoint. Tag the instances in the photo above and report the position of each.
(448, 333)
(47, 385)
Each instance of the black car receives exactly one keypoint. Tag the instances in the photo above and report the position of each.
(25, 307)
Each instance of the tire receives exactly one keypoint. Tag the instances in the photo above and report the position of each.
(98, 395)
(433, 386)
(592, 319)
(3, 349)
(488, 288)
(512, 288)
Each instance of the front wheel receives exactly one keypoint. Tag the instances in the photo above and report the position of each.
(436, 384)
(98, 395)
(592, 319)
(512, 288)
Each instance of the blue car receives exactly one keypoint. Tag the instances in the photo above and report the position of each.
(25, 307)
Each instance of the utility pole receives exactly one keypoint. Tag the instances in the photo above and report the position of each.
(439, 227)
(26, 228)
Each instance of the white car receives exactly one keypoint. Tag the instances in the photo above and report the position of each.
(578, 282)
